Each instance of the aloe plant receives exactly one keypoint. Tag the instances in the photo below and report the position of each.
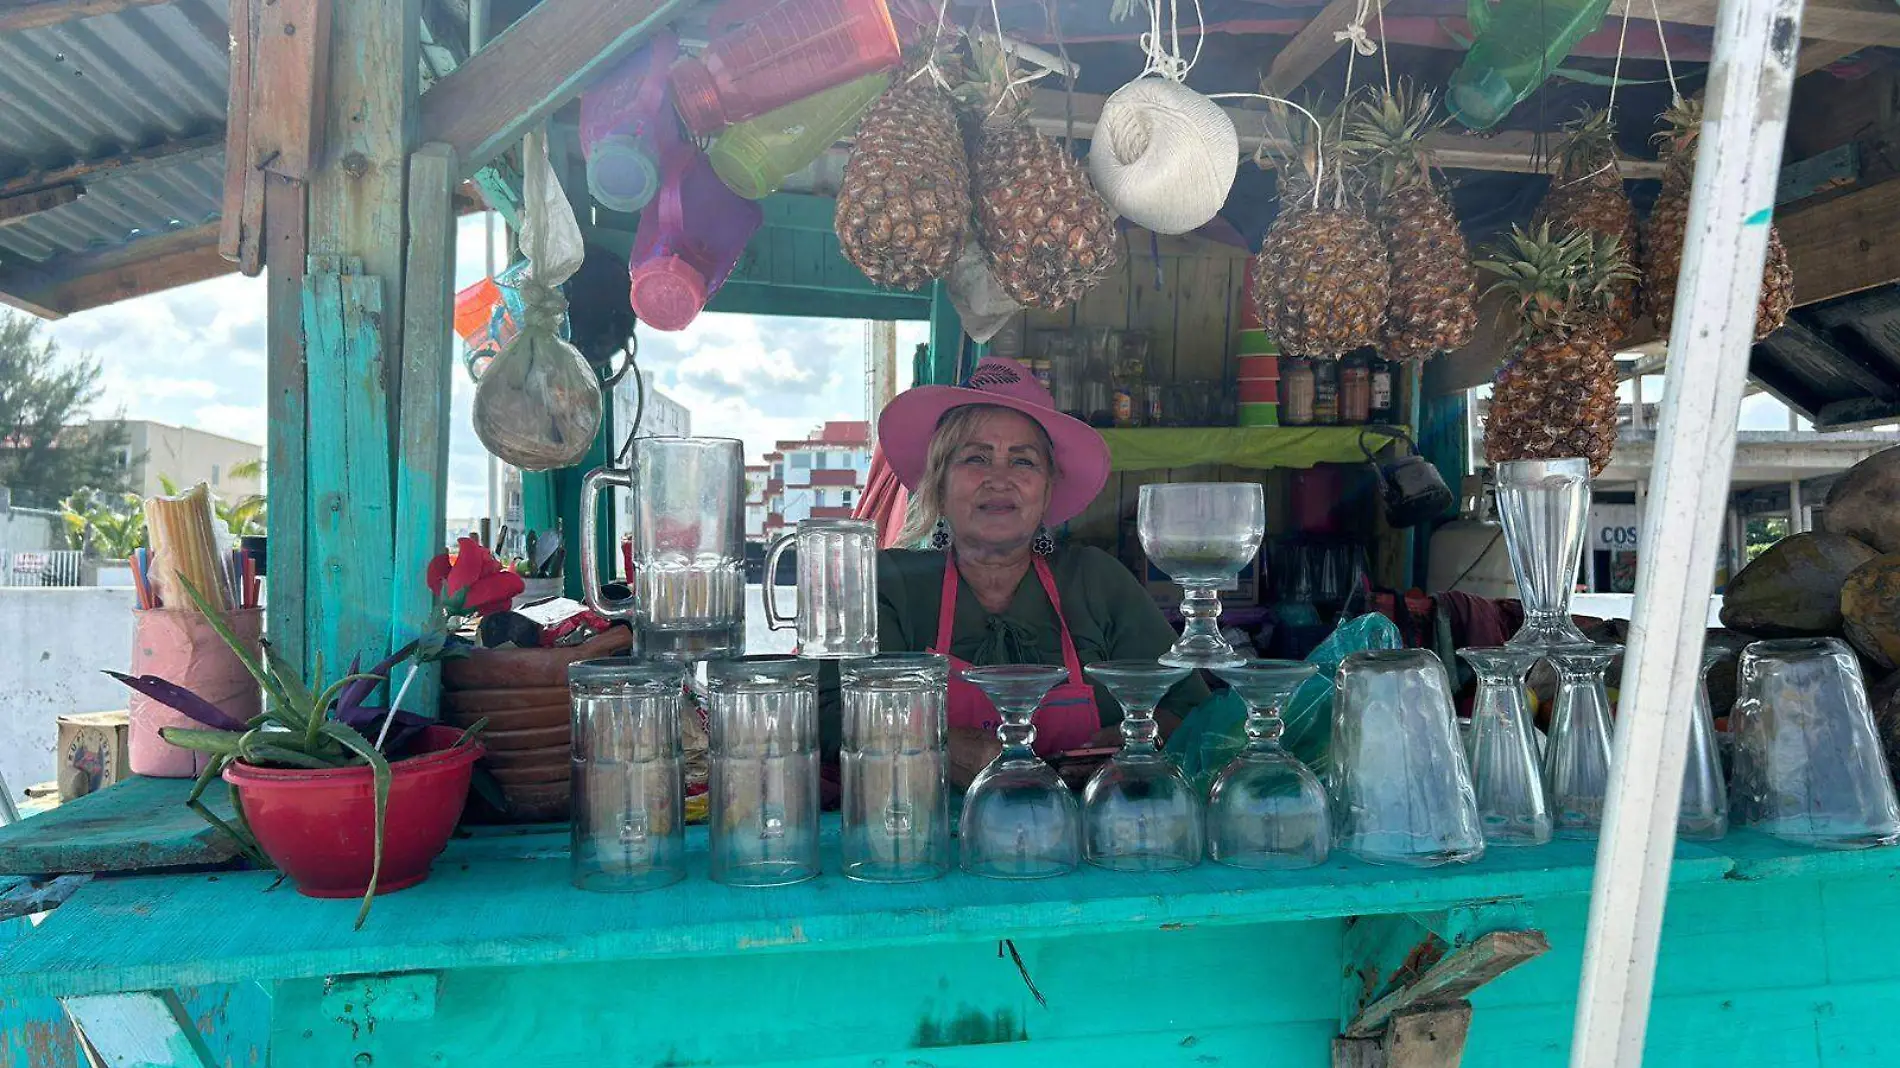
(302, 726)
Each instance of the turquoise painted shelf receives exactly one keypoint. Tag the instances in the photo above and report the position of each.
(1255, 447)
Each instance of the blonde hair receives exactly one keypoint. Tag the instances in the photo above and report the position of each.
(954, 431)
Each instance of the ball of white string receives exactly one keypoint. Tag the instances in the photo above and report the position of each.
(1163, 155)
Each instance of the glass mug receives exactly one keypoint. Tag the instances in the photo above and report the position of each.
(629, 828)
(895, 752)
(763, 808)
(837, 588)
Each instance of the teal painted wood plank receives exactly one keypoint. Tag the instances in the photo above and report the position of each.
(94, 944)
(1758, 856)
(286, 388)
(869, 1002)
(141, 1029)
(751, 298)
(1862, 942)
(351, 537)
(138, 824)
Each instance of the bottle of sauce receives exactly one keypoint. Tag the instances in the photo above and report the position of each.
(787, 52)
(1385, 392)
(1297, 389)
(1355, 391)
(1325, 392)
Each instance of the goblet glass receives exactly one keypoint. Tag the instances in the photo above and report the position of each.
(1201, 534)
(1019, 819)
(1703, 816)
(1577, 761)
(1502, 751)
(1266, 809)
(1138, 811)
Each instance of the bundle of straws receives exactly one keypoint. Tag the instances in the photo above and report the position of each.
(182, 531)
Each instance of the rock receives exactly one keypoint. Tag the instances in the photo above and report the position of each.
(1865, 503)
(1870, 610)
(1793, 589)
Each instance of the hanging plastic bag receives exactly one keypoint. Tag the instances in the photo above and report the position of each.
(980, 302)
(538, 405)
(1215, 732)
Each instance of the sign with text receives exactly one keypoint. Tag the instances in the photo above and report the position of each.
(1612, 528)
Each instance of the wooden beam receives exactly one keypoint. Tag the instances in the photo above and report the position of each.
(164, 153)
(1314, 45)
(1816, 54)
(1455, 976)
(533, 67)
(146, 265)
(144, 1028)
(1424, 1038)
(1844, 245)
(289, 76)
(1863, 22)
(25, 205)
(154, 275)
(39, 14)
(1510, 150)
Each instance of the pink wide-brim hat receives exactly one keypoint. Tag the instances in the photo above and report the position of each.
(1081, 456)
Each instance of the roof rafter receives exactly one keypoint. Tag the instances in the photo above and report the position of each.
(1314, 45)
(1862, 22)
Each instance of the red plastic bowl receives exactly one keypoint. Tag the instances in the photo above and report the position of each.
(319, 826)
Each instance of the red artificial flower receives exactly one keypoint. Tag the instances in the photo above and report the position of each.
(475, 583)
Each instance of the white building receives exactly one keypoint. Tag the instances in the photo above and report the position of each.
(662, 417)
(188, 456)
(757, 477)
(818, 478)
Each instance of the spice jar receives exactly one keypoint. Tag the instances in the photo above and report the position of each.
(1355, 390)
(1326, 392)
(1384, 375)
(1297, 388)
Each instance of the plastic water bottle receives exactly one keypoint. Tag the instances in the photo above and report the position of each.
(1518, 43)
(766, 59)
(755, 157)
(689, 241)
(626, 125)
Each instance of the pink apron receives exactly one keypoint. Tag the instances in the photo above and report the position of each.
(1068, 717)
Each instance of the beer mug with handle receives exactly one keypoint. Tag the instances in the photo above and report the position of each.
(836, 617)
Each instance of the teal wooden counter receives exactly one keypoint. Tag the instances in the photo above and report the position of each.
(1772, 956)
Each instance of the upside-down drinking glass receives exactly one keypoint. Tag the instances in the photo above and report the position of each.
(629, 828)
(1138, 811)
(1201, 534)
(896, 809)
(1704, 813)
(1502, 752)
(1266, 809)
(763, 810)
(1400, 790)
(1808, 761)
(1577, 760)
(1019, 819)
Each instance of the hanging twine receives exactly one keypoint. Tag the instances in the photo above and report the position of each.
(1616, 70)
(1163, 155)
(1319, 157)
(1662, 38)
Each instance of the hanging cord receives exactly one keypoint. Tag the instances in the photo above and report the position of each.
(1616, 72)
(1319, 155)
(1662, 38)
(1053, 12)
(1163, 51)
(1385, 65)
(1009, 87)
(930, 55)
(1355, 32)
(639, 408)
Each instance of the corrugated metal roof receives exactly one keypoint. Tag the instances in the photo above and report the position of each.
(120, 208)
(1837, 362)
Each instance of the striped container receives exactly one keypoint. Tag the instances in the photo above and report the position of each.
(1259, 414)
(1254, 341)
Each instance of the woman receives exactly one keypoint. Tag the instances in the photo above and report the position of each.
(991, 469)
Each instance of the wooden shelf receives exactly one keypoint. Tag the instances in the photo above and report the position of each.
(1259, 448)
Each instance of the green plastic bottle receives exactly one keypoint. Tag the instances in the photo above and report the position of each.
(1517, 44)
(755, 157)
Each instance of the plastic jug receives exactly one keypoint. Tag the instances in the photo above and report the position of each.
(768, 57)
(755, 157)
(626, 126)
(689, 240)
(1516, 47)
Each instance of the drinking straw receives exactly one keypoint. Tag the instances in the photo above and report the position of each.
(250, 581)
(138, 579)
(185, 546)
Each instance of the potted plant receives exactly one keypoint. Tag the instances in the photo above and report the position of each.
(314, 777)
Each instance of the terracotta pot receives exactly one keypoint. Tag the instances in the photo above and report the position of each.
(319, 826)
(525, 774)
(484, 702)
(515, 758)
(539, 718)
(535, 802)
(493, 669)
(527, 738)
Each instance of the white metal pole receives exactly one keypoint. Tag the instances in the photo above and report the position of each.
(1745, 119)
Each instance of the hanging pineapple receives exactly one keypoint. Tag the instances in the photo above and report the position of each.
(1587, 194)
(904, 205)
(1433, 303)
(1322, 277)
(1668, 227)
(1555, 397)
(1049, 236)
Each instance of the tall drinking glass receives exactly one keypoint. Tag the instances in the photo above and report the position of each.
(1544, 506)
(1265, 809)
(1502, 752)
(1138, 811)
(1019, 819)
(837, 588)
(629, 829)
(1401, 792)
(1808, 761)
(1704, 812)
(892, 761)
(1577, 760)
(763, 810)
(1201, 534)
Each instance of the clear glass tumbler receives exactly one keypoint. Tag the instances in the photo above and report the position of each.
(1265, 809)
(1019, 819)
(1502, 751)
(1400, 790)
(1138, 811)
(1577, 759)
(629, 825)
(893, 761)
(1808, 761)
(1703, 816)
(763, 809)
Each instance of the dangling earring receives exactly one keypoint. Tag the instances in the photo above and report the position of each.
(940, 536)
(1044, 543)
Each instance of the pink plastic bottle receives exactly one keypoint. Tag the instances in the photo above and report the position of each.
(627, 124)
(690, 239)
(785, 52)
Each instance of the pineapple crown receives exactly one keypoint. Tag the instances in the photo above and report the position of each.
(1386, 137)
(1682, 125)
(1308, 150)
(1589, 144)
(993, 94)
(1559, 284)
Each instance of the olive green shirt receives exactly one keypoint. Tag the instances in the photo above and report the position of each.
(1110, 617)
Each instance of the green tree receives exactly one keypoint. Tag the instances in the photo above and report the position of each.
(107, 525)
(47, 452)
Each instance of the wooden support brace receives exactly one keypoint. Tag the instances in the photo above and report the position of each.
(142, 1029)
(286, 400)
(1454, 977)
(240, 228)
(166, 153)
(290, 75)
(39, 14)
(1422, 1038)
(1314, 44)
(26, 205)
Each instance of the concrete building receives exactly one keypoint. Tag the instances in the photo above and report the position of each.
(757, 477)
(188, 456)
(818, 478)
(662, 417)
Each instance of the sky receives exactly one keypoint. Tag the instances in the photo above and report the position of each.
(195, 357)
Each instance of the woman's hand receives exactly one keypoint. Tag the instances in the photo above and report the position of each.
(970, 752)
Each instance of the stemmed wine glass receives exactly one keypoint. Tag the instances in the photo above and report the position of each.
(1266, 809)
(1019, 819)
(1201, 534)
(1138, 811)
